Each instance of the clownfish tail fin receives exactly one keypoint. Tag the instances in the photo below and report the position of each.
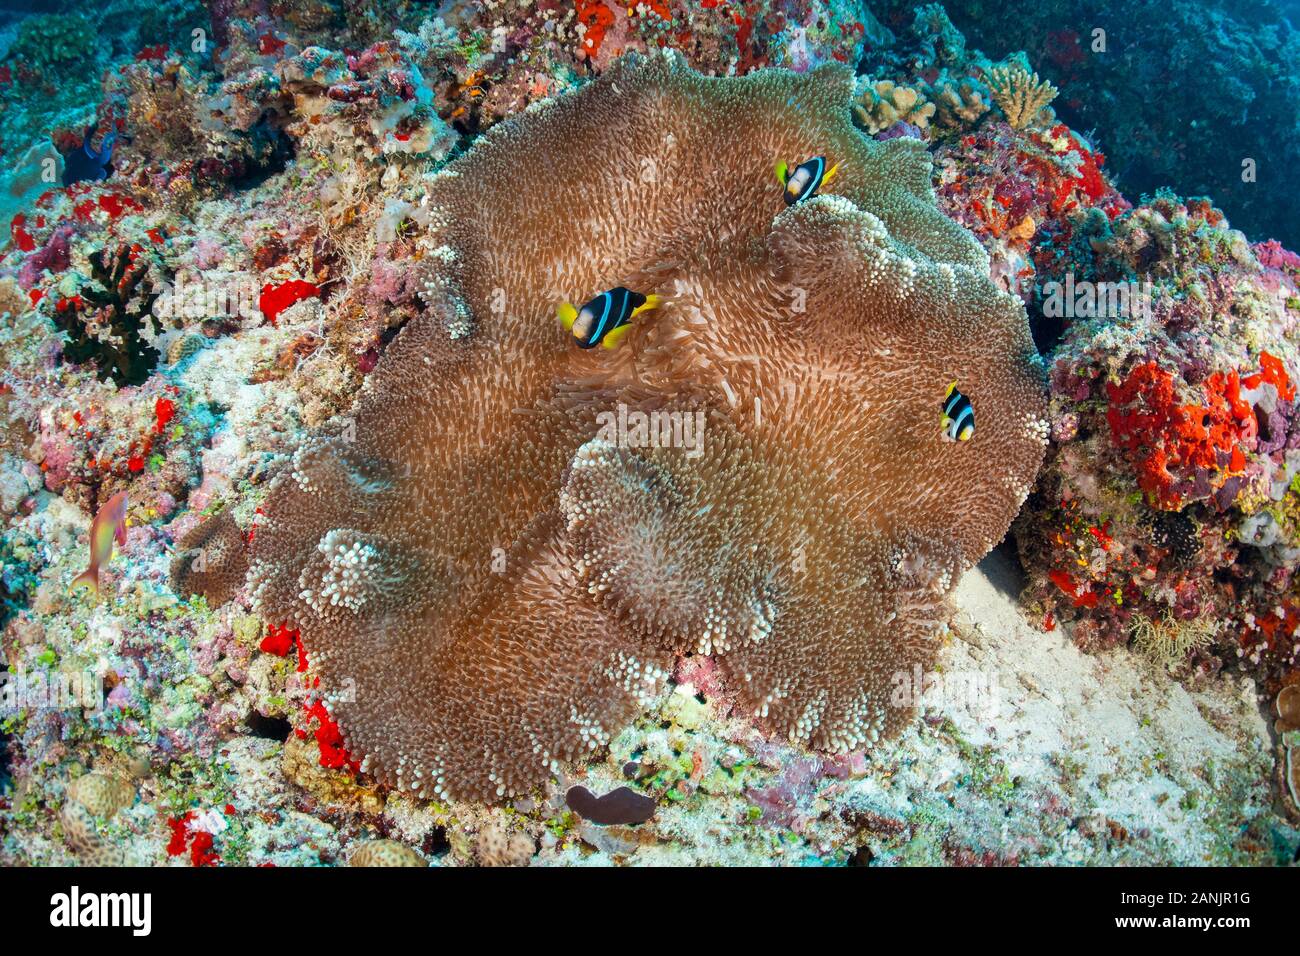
(782, 172)
(651, 302)
(830, 174)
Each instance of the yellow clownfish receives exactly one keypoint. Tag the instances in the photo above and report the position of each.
(605, 319)
(958, 416)
(804, 180)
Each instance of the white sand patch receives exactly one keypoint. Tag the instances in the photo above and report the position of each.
(1090, 757)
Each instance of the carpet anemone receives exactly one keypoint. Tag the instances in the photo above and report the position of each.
(504, 547)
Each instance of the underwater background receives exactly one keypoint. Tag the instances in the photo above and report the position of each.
(982, 553)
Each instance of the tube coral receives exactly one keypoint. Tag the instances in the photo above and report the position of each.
(499, 557)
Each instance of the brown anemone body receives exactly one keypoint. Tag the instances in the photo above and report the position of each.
(488, 583)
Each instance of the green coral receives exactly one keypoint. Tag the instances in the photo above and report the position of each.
(134, 25)
(54, 42)
(19, 572)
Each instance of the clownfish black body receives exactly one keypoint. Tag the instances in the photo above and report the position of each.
(958, 417)
(606, 318)
(804, 180)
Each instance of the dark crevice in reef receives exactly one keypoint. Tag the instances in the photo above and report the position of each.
(272, 151)
(6, 741)
(268, 728)
(1003, 567)
(470, 123)
(388, 334)
(436, 842)
(1047, 331)
(862, 856)
(13, 599)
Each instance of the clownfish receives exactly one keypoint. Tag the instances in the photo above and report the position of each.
(605, 319)
(803, 181)
(958, 417)
(109, 526)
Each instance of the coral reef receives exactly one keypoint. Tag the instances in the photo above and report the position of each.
(499, 847)
(1169, 642)
(472, 596)
(959, 103)
(884, 104)
(50, 45)
(385, 853)
(107, 320)
(1168, 489)
(1202, 87)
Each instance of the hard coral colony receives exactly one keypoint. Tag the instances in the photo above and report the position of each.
(432, 435)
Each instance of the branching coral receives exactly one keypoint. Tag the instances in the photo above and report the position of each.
(1020, 94)
(111, 335)
(884, 103)
(501, 572)
(959, 103)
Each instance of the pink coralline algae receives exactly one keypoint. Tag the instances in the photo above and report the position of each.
(53, 257)
(1271, 255)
